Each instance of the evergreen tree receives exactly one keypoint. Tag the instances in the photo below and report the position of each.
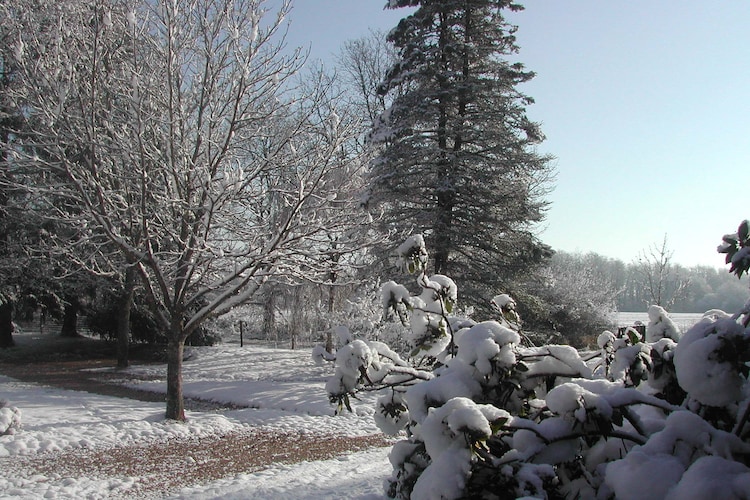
(458, 157)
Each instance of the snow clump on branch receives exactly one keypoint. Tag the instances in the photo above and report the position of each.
(660, 325)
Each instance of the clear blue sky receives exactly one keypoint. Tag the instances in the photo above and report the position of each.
(645, 105)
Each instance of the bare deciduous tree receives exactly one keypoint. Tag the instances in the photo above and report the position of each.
(177, 135)
(659, 277)
(362, 64)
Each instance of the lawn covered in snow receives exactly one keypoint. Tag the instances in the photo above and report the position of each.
(283, 390)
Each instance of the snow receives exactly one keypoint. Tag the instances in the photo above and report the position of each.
(625, 358)
(412, 254)
(574, 400)
(502, 301)
(702, 369)
(660, 325)
(446, 476)
(605, 339)
(558, 359)
(286, 392)
(658, 468)
(447, 433)
(357, 476)
(485, 344)
(352, 360)
(392, 294)
(439, 390)
(10, 419)
(55, 420)
(641, 475)
(659, 450)
(713, 477)
(391, 422)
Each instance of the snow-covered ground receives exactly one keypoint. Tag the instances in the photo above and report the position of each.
(683, 320)
(283, 388)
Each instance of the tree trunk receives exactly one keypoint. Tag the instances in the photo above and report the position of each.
(297, 316)
(442, 244)
(6, 306)
(331, 307)
(269, 314)
(6, 325)
(175, 402)
(70, 318)
(123, 319)
(329, 341)
(443, 229)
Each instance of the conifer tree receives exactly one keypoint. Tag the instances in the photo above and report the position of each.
(458, 158)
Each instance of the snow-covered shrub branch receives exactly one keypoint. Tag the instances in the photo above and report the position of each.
(482, 415)
(737, 248)
(10, 418)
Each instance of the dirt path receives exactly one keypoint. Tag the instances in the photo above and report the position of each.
(164, 467)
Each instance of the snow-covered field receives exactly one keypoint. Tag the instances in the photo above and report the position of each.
(284, 389)
(683, 320)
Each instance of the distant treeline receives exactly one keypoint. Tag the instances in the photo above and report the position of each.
(682, 289)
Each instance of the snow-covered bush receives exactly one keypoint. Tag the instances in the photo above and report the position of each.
(660, 325)
(482, 415)
(10, 419)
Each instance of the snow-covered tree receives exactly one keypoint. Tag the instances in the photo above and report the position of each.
(185, 145)
(458, 161)
(577, 297)
(481, 415)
